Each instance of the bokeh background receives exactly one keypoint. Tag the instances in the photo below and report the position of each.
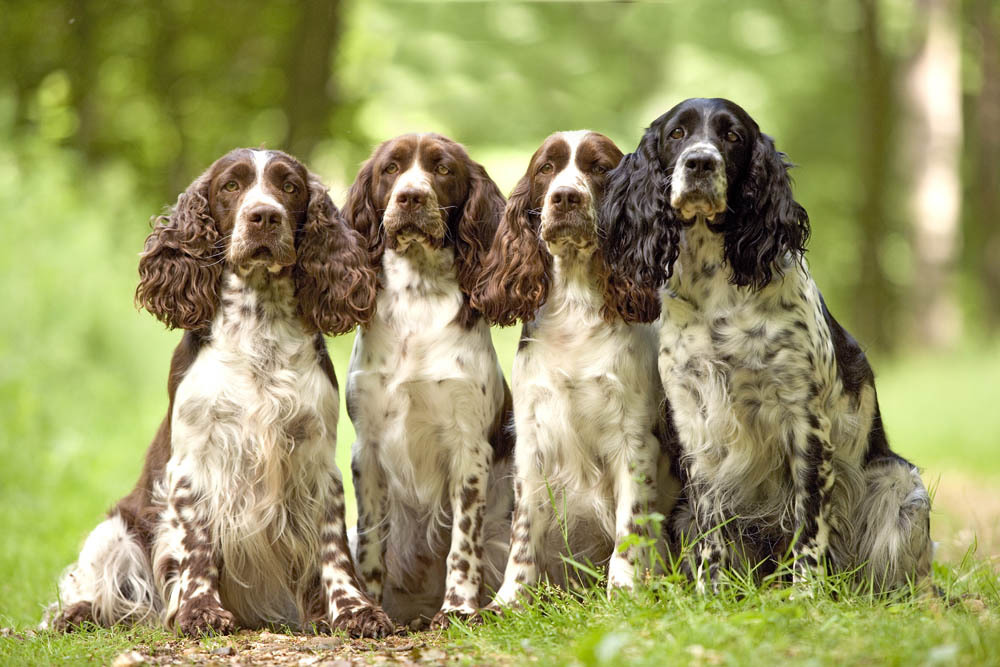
(891, 109)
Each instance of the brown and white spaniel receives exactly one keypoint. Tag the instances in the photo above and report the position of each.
(594, 442)
(238, 516)
(425, 391)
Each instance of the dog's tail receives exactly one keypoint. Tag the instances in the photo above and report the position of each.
(111, 582)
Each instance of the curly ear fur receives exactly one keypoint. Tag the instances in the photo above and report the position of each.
(363, 216)
(766, 221)
(623, 298)
(334, 281)
(477, 227)
(514, 280)
(636, 220)
(181, 266)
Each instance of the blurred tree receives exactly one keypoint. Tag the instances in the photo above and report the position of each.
(310, 92)
(985, 149)
(873, 298)
(934, 140)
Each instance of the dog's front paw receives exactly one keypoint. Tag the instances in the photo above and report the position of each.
(442, 619)
(73, 617)
(364, 621)
(195, 619)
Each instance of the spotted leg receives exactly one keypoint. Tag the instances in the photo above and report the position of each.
(813, 476)
(635, 493)
(526, 535)
(348, 607)
(373, 525)
(464, 566)
(187, 568)
(710, 553)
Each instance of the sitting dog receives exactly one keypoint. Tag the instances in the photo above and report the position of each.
(425, 391)
(782, 441)
(592, 452)
(238, 516)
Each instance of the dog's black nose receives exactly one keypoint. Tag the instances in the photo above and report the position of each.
(702, 162)
(264, 215)
(566, 199)
(410, 200)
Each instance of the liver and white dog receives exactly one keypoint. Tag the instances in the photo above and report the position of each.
(238, 516)
(425, 391)
(593, 452)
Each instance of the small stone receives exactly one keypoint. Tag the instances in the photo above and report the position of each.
(190, 650)
(128, 658)
(223, 650)
(324, 643)
(433, 655)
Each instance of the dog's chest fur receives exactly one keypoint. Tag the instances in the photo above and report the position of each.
(740, 369)
(581, 383)
(254, 428)
(421, 386)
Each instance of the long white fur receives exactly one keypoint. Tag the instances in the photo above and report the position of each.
(264, 494)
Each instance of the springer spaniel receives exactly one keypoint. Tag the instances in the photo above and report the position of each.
(592, 452)
(425, 391)
(238, 516)
(773, 400)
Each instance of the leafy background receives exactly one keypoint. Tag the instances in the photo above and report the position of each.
(109, 109)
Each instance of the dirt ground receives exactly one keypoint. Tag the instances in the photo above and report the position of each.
(266, 648)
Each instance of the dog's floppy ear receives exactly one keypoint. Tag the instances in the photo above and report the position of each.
(474, 234)
(334, 281)
(765, 221)
(181, 265)
(363, 215)
(636, 220)
(623, 298)
(514, 280)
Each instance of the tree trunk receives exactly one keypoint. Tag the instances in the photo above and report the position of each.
(83, 62)
(873, 298)
(311, 92)
(935, 103)
(986, 182)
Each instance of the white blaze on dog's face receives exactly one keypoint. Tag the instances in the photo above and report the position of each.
(259, 198)
(704, 146)
(568, 174)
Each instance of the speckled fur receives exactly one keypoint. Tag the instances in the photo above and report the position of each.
(782, 441)
(424, 393)
(751, 375)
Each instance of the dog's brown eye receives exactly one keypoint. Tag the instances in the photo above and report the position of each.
(677, 133)
(391, 168)
(546, 168)
(732, 137)
(443, 170)
(288, 187)
(598, 169)
(231, 186)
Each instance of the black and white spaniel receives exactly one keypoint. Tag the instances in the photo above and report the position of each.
(425, 391)
(592, 439)
(238, 516)
(774, 402)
